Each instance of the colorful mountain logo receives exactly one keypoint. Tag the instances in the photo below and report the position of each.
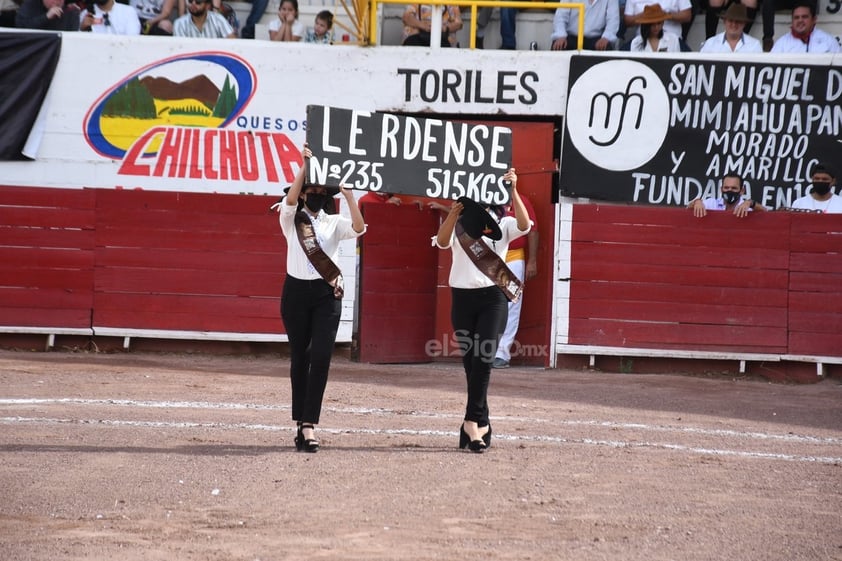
(200, 90)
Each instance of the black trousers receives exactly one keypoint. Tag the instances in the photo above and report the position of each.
(311, 317)
(479, 318)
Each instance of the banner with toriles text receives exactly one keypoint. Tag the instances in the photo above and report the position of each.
(410, 155)
(665, 131)
(223, 116)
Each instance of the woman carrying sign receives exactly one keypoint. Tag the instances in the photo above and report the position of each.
(311, 303)
(481, 286)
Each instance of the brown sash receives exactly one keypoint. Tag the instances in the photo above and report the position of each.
(490, 264)
(318, 258)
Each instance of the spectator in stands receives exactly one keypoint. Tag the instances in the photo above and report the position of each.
(8, 14)
(714, 13)
(286, 26)
(522, 259)
(733, 199)
(311, 302)
(508, 27)
(676, 12)
(481, 285)
(202, 21)
(416, 31)
(107, 16)
(821, 197)
(804, 36)
(733, 39)
(768, 9)
(155, 16)
(322, 32)
(52, 15)
(258, 8)
(652, 37)
(602, 22)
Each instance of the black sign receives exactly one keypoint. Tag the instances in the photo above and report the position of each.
(410, 155)
(661, 131)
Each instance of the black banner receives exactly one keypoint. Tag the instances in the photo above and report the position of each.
(665, 131)
(403, 154)
(27, 64)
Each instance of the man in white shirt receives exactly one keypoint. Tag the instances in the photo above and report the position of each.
(110, 17)
(203, 22)
(804, 36)
(602, 21)
(821, 197)
(733, 39)
(678, 12)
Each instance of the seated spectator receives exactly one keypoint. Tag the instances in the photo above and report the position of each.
(821, 197)
(202, 21)
(714, 13)
(416, 31)
(8, 13)
(602, 22)
(258, 8)
(733, 199)
(322, 32)
(768, 9)
(733, 39)
(286, 26)
(52, 15)
(508, 27)
(107, 16)
(677, 12)
(804, 36)
(653, 38)
(155, 16)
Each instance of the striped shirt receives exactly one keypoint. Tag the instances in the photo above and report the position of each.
(215, 27)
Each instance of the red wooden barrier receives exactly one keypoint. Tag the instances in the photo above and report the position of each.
(46, 257)
(187, 262)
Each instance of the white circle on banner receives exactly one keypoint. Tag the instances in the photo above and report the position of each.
(618, 114)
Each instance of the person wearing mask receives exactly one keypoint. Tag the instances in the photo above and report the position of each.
(311, 302)
(733, 199)
(821, 197)
(481, 287)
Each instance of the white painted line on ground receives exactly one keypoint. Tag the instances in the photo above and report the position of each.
(789, 437)
(448, 434)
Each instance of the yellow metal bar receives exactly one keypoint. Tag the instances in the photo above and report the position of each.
(474, 4)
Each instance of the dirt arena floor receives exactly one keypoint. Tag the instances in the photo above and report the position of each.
(144, 456)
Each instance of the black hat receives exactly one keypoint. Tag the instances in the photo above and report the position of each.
(331, 191)
(477, 221)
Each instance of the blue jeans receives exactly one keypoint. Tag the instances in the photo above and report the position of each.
(508, 24)
(258, 8)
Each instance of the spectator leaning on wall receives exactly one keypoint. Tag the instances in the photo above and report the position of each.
(733, 199)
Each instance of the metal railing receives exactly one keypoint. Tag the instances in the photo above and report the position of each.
(435, 32)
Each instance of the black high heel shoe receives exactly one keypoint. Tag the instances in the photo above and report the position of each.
(299, 439)
(308, 444)
(486, 438)
(464, 439)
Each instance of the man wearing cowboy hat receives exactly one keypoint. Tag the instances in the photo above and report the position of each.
(733, 39)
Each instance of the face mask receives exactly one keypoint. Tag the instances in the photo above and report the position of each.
(730, 197)
(315, 201)
(100, 2)
(821, 187)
